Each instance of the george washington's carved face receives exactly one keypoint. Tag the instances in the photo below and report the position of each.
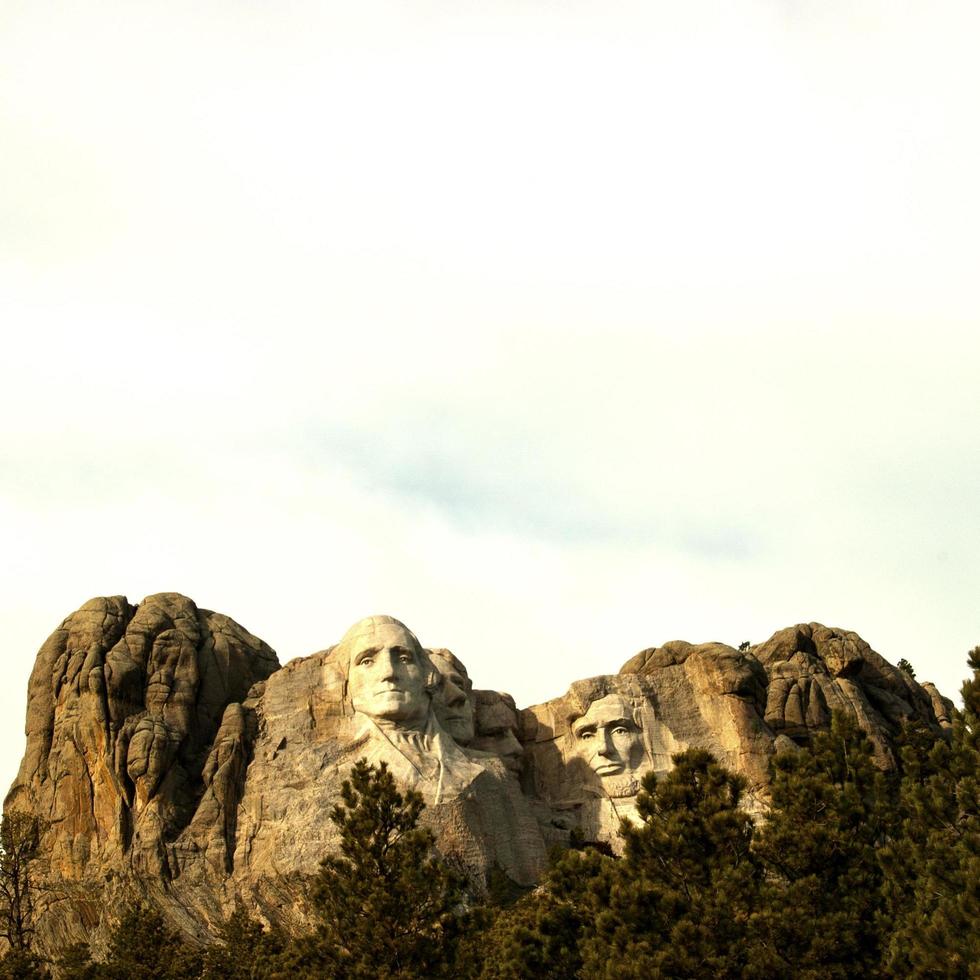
(608, 738)
(388, 673)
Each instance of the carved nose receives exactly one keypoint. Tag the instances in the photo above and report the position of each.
(605, 748)
(387, 665)
(454, 696)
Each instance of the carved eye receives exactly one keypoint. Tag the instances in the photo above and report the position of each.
(586, 734)
(365, 662)
(405, 658)
(621, 730)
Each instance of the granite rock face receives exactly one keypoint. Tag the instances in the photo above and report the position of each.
(124, 707)
(170, 756)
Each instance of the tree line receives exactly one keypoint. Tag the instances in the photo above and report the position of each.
(853, 873)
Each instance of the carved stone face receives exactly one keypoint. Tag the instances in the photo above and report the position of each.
(386, 678)
(453, 699)
(497, 727)
(607, 737)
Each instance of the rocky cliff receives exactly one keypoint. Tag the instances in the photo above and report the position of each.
(170, 756)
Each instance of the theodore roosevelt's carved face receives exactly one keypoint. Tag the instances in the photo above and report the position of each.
(608, 738)
(387, 677)
(497, 728)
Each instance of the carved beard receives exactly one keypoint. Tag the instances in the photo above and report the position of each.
(617, 787)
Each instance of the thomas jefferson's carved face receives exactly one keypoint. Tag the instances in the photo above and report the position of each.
(454, 699)
(387, 678)
(607, 737)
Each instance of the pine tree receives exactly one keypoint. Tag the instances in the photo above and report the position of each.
(143, 948)
(17, 964)
(540, 935)
(76, 963)
(932, 868)
(830, 811)
(678, 903)
(22, 889)
(387, 905)
(24, 894)
(244, 950)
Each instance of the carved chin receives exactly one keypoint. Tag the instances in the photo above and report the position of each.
(460, 730)
(621, 786)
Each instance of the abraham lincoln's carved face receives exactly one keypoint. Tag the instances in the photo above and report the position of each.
(608, 738)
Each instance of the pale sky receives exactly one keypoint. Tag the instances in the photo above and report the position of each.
(555, 329)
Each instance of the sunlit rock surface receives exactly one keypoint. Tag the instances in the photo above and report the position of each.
(170, 756)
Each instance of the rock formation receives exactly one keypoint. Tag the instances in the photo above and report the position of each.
(170, 756)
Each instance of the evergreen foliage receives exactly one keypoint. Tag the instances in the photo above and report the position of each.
(386, 906)
(244, 950)
(18, 964)
(540, 935)
(76, 963)
(22, 894)
(932, 866)
(141, 948)
(677, 904)
(817, 914)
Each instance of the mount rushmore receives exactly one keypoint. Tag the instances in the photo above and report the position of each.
(169, 755)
